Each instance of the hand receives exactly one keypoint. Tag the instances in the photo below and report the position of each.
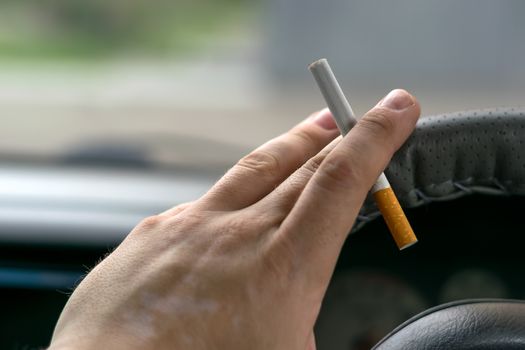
(247, 265)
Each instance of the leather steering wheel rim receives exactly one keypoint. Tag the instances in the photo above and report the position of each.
(480, 324)
(452, 155)
(447, 157)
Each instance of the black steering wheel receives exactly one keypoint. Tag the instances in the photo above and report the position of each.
(452, 155)
(448, 158)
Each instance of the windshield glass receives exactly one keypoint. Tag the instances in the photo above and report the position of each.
(199, 83)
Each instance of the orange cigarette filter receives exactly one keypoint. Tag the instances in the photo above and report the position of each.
(345, 119)
(395, 218)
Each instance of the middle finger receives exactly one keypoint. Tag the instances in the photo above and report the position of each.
(261, 171)
(279, 202)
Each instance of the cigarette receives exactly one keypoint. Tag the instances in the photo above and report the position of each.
(345, 119)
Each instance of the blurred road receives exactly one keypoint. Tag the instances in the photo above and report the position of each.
(199, 111)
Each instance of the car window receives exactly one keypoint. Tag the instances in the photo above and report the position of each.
(199, 83)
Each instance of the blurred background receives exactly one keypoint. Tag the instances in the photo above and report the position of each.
(171, 80)
(189, 86)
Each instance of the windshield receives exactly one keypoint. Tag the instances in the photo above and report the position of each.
(199, 83)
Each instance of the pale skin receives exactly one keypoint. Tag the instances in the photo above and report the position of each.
(247, 265)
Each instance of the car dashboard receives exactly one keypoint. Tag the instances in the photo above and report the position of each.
(58, 221)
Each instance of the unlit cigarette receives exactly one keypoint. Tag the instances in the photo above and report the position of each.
(345, 119)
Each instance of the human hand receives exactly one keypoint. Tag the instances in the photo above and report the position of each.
(247, 265)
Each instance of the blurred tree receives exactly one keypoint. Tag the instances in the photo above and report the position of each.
(97, 27)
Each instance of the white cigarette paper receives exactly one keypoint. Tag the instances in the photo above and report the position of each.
(345, 119)
(338, 104)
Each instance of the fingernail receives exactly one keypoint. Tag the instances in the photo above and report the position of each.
(325, 120)
(397, 99)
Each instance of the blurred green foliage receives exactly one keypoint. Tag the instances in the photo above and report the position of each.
(101, 28)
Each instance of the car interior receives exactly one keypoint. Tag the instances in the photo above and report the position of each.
(57, 225)
(112, 112)
(460, 175)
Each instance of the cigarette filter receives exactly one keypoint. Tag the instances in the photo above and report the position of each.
(345, 119)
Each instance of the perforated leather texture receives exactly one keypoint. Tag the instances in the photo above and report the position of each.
(463, 325)
(452, 155)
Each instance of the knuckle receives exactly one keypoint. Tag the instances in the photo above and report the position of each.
(337, 172)
(176, 209)
(189, 221)
(182, 206)
(261, 162)
(378, 123)
(179, 227)
(313, 164)
(305, 137)
(150, 222)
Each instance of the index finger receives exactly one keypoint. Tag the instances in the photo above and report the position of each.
(326, 209)
(257, 174)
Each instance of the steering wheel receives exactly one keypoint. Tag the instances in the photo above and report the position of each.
(447, 157)
(452, 155)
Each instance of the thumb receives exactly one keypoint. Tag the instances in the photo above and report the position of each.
(328, 206)
(377, 136)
